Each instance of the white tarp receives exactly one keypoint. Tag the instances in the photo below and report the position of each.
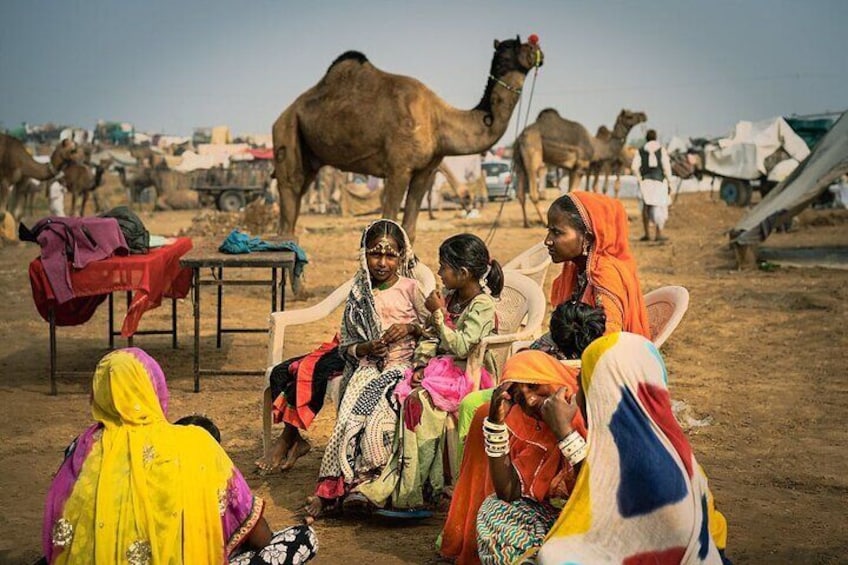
(743, 154)
(117, 156)
(813, 176)
(192, 161)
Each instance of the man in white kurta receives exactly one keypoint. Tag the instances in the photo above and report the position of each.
(56, 197)
(652, 168)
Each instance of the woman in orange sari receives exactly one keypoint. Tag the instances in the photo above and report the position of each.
(587, 233)
(501, 504)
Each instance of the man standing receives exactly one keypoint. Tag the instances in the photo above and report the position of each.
(652, 168)
(56, 197)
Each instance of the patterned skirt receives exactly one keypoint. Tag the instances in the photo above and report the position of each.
(506, 530)
(291, 546)
(361, 442)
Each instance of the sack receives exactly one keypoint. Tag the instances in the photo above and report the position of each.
(137, 236)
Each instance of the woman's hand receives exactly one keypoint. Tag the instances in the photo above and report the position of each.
(376, 348)
(417, 377)
(558, 411)
(501, 403)
(397, 332)
(434, 302)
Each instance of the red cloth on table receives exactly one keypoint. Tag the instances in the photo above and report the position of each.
(150, 276)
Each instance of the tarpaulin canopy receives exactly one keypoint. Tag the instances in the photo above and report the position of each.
(743, 154)
(827, 162)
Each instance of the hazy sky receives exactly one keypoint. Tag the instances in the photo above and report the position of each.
(694, 67)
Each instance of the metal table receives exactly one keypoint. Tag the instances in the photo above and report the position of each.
(205, 254)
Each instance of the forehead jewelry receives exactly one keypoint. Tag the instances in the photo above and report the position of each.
(384, 247)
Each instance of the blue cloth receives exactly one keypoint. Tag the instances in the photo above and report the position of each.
(239, 242)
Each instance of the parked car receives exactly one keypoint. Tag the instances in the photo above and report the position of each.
(498, 180)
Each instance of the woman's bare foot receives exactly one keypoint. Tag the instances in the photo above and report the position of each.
(300, 448)
(312, 510)
(271, 461)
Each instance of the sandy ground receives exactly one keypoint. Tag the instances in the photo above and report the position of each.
(760, 352)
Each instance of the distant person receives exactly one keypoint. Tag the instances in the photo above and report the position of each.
(652, 168)
(56, 197)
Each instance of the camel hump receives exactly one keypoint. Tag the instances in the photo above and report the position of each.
(349, 56)
(547, 111)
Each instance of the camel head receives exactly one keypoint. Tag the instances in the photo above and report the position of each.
(630, 119)
(512, 55)
(65, 153)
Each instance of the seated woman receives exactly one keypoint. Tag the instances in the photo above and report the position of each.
(134, 488)
(641, 496)
(381, 323)
(512, 468)
(587, 233)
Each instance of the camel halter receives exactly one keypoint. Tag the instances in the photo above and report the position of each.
(499, 82)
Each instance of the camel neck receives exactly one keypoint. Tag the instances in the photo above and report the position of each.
(619, 132)
(464, 132)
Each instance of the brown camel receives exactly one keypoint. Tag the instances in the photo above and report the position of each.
(80, 181)
(364, 120)
(16, 165)
(609, 146)
(550, 140)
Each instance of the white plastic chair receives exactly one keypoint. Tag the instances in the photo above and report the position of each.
(532, 263)
(280, 321)
(520, 311)
(666, 306)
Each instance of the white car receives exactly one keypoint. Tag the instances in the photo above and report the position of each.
(498, 180)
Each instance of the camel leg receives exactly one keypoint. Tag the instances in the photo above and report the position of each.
(430, 205)
(394, 187)
(617, 185)
(420, 183)
(84, 202)
(574, 180)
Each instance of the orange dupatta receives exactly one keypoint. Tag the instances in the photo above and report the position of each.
(533, 453)
(610, 267)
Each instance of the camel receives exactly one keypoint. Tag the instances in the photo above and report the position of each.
(80, 181)
(551, 140)
(608, 146)
(16, 165)
(361, 119)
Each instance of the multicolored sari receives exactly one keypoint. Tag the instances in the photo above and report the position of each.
(137, 489)
(610, 268)
(640, 496)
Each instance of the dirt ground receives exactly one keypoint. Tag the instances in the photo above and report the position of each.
(760, 352)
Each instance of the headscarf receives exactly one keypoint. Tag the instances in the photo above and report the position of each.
(138, 489)
(640, 496)
(610, 267)
(533, 454)
(360, 321)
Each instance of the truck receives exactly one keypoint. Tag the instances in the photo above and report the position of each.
(758, 155)
(233, 187)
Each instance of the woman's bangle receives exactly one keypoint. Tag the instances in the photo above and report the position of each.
(574, 448)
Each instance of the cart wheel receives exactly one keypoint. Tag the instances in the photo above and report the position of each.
(733, 192)
(230, 201)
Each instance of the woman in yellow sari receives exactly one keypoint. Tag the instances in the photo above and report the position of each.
(136, 489)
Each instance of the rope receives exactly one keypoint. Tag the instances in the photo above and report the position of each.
(490, 236)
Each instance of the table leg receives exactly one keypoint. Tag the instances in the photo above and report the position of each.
(111, 322)
(220, 301)
(283, 289)
(173, 323)
(196, 309)
(51, 318)
(273, 289)
(129, 303)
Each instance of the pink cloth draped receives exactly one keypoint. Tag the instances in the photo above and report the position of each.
(446, 382)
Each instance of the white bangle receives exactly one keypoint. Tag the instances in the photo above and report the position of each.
(497, 450)
(574, 448)
(491, 426)
(496, 437)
